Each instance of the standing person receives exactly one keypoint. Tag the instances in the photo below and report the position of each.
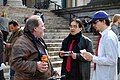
(115, 24)
(1, 55)
(79, 68)
(28, 51)
(115, 29)
(86, 23)
(106, 61)
(14, 27)
(4, 24)
(39, 13)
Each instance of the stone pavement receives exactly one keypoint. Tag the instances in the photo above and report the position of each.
(57, 69)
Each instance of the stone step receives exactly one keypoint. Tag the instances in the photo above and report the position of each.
(48, 41)
(58, 24)
(55, 37)
(58, 49)
(63, 35)
(56, 33)
(59, 40)
(59, 44)
(56, 30)
(56, 63)
(55, 26)
(55, 58)
(54, 44)
(53, 48)
(53, 53)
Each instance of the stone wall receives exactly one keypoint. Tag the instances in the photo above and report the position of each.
(17, 13)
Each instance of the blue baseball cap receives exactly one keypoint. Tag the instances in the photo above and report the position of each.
(99, 15)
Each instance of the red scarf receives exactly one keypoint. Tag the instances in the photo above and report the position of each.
(68, 64)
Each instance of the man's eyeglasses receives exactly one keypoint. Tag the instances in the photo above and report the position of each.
(73, 26)
(96, 22)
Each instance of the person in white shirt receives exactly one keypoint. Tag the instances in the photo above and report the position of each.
(106, 61)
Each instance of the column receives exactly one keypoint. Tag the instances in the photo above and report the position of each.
(79, 2)
(14, 3)
(1, 2)
(69, 3)
(73, 3)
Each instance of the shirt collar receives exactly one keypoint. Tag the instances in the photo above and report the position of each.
(105, 31)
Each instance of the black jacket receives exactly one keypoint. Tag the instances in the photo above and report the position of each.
(80, 68)
(1, 55)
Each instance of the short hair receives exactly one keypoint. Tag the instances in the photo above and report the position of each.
(115, 18)
(14, 22)
(77, 21)
(33, 17)
(30, 25)
(107, 21)
(39, 13)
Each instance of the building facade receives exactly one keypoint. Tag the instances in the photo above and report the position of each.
(74, 3)
(42, 3)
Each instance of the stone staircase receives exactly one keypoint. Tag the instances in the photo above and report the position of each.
(56, 30)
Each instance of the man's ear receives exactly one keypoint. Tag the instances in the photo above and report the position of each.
(34, 28)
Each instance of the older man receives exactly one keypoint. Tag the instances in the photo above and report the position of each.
(28, 51)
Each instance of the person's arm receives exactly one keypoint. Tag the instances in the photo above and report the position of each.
(89, 48)
(110, 52)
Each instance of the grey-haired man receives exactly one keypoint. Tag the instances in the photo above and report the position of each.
(27, 53)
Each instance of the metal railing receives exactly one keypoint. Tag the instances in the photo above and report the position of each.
(56, 5)
(71, 15)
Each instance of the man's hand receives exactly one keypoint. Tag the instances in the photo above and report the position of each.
(74, 55)
(8, 45)
(61, 53)
(87, 56)
(55, 73)
(42, 66)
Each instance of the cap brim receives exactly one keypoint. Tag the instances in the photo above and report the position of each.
(93, 20)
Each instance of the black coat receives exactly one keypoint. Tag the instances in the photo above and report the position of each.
(80, 68)
(1, 55)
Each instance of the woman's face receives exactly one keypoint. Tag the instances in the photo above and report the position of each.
(74, 28)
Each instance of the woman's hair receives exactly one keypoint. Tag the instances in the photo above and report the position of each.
(115, 18)
(3, 14)
(77, 21)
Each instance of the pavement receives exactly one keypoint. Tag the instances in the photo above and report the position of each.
(59, 71)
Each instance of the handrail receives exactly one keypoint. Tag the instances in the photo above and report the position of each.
(72, 16)
(56, 5)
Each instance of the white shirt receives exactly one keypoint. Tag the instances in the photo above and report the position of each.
(106, 61)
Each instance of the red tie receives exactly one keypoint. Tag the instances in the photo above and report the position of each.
(96, 51)
(69, 58)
